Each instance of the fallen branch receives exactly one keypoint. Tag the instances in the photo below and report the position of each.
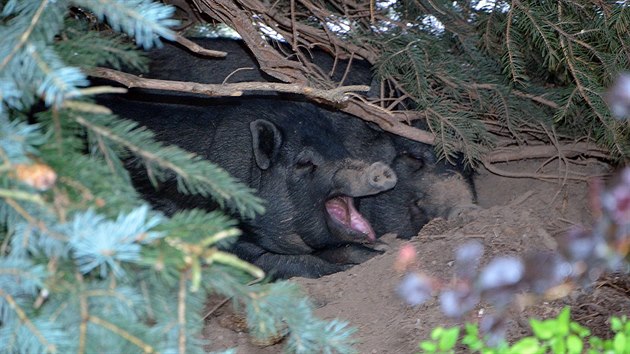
(569, 150)
(336, 95)
(500, 172)
(563, 151)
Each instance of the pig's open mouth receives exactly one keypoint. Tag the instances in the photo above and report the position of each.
(341, 210)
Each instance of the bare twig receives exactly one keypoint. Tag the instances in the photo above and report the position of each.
(196, 48)
(269, 59)
(389, 121)
(545, 177)
(569, 150)
(335, 95)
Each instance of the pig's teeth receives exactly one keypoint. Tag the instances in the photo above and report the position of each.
(358, 222)
(342, 209)
(338, 209)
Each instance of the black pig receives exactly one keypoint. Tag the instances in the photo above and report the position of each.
(426, 188)
(290, 153)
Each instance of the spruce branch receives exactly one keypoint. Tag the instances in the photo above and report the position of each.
(21, 195)
(181, 312)
(549, 47)
(196, 226)
(582, 89)
(46, 345)
(33, 221)
(536, 98)
(144, 20)
(85, 314)
(10, 95)
(213, 255)
(84, 48)
(59, 81)
(100, 243)
(513, 58)
(21, 277)
(59, 241)
(26, 34)
(571, 38)
(570, 150)
(145, 347)
(192, 171)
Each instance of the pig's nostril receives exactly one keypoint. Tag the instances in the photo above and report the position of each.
(381, 176)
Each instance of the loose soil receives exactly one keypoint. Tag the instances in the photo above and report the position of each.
(516, 215)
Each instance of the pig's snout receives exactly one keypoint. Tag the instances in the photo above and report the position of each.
(381, 177)
(360, 179)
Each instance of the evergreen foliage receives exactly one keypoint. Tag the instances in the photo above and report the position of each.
(85, 265)
(486, 62)
(477, 74)
(575, 50)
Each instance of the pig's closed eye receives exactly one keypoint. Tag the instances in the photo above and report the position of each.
(413, 161)
(305, 164)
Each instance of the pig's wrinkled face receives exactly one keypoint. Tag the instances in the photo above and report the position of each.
(427, 189)
(319, 185)
(315, 186)
(322, 182)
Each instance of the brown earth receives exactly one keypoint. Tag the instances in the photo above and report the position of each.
(516, 215)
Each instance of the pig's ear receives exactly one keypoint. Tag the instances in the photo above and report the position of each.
(266, 141)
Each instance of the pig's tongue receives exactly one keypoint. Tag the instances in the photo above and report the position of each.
(342, 209)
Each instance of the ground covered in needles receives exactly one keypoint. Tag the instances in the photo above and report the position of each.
(517, 215)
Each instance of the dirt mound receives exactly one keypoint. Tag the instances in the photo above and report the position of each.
(516, 216)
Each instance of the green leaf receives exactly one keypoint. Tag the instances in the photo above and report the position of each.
(428, 347)
(615, 324)
(543, 329)
(474, 345)
(574, 344)
(596, 343)
(449, 338)
(472, 330)
(620, 343)
(558, 345)
(471, 338)
(436, 333)
(527, 345)
(579, 330)
(562, 322)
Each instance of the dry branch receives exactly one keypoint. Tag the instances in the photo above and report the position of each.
(389, 121)
(335, 96)
(196, 48)
(541, 176)
(568, 150)
(269, 59)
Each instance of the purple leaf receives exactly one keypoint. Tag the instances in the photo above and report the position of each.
(415, 288)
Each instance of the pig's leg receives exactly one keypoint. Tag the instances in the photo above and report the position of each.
(286, 265)
(348, 254)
